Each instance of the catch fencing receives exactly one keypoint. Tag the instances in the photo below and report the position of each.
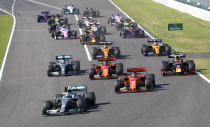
(204, 4)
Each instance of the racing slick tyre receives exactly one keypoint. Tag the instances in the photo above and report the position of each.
(168, 50)
(122, 34)
(191, 65)
(148, 83)
(144, 49)
(47, 106)
(50, 68)
(53, 34)
(119, 69)
(102, 29)
(76, 66)
(65, 21)
(95, 52)
(82, 39)
(117, 51)
(164, 67)
(74, 33)
(91, 73)
(97, 13)
(141, 33)
(117, 85)
(80, 24)
(80, 104)
(90, 98)
(152, 76)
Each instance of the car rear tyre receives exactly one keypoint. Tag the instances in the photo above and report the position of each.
(76, 66)
(90, 98)
(91, 73)
(119, 68)
(117, 85)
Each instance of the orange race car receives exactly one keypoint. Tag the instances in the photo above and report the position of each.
(135, 82)
(105, 70)
(156, 47)
(105, 51)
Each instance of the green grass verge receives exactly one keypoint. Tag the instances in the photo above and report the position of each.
(155, 17)
(5, 30)
(203, 66)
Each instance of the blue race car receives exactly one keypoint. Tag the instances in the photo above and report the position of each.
(43, 17)
(70, 9)
(131, 31)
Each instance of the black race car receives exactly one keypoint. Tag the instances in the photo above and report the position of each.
(177, 66)
(91, 12)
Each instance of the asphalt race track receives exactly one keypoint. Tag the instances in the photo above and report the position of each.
(177, 101)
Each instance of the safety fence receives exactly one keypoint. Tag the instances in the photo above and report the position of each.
(204, 4)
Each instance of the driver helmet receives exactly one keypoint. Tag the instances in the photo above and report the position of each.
(133, 75)
(155, 43)
(105, 47)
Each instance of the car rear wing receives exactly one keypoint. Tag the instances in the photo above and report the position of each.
(107, 59)
(175, 55)
(97, 23)
(75, 88)
(152, 40)
(136, 69)
(87, 17)
(45, 12)
(105, 43)
(64, 57)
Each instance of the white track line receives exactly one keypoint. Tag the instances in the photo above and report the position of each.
(202, 76)
(86, 49)
(44, 4)
(10, 38)
(85, 46)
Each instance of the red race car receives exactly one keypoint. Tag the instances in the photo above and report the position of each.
(135, 82)
(105, 70)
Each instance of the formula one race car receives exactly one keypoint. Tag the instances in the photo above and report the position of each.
(135, 82)
(64, 66)
(105, 70)
(91, 12)
(57, 22)
(92, 38)
(124, 22)
(70, 102)
(54, 19)
(177, 65)
(45, 15)
(155, 48)
(85, 21)
(64, 33)
(115, 19)
(105, 51)
(70, 9)
(131, 31)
